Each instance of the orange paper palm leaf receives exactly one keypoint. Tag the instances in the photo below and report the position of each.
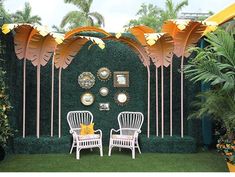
(139, 31)
(188, 37)
(41, 49)
(70, 47)
(86, 28)
(162, 51)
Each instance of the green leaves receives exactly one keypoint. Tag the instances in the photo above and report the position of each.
(214, 64)
(5, 130)
(83, 16)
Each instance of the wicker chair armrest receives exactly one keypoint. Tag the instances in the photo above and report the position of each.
(113, 130)
(73, 131)
(100, 132)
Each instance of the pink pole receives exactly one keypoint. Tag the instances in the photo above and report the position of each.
(24, 93)
(52, 94)
(157, 130)
(148, 118)
(59, 118)
(162, 101)
(182, 97)
(38, 100)
(171, 86)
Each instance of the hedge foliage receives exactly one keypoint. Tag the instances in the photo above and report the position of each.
(117, 57)
(174, 144)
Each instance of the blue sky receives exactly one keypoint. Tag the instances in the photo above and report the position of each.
(117, 13)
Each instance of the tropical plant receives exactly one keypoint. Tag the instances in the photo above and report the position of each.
(83, 16)
(5, 17)
(172, 10)
(154, 16)
(148, 15)
(5, 107)
(215, 65)
(58, 29)
(25, 15)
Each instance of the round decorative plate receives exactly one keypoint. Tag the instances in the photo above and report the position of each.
(104, 74)
(87, 99)
(86, 80)
(121, 98)
(104, 91)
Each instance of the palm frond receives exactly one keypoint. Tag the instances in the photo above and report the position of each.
(98, 17)
(73, 17)
(223, 44)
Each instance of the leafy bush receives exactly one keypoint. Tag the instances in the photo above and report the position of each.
(5, 130)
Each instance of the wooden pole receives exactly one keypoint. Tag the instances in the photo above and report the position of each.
(52, 94)
(157, 129)
(162, 101)
(182, 97)
(171, 87)
(24, 93)
(148, 118)
(59, 118)
(38, 100)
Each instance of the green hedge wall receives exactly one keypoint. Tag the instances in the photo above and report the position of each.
(117, 57)
(174, 144)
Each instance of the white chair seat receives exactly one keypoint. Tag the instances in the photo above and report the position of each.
(88, 137)
(123, 137)
(129, 128)
(75, 119)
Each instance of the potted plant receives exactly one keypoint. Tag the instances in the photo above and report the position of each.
(5, 130)
(226, 146)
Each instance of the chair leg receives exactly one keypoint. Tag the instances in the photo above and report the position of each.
(101, 151)
(138, 146)
(78, 153)
(91, 149)
(133, 152)
(110, 149)
(71, 150)
(120, 149)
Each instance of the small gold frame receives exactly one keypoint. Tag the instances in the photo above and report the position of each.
(104, 74)
(87, 98)
(121, 79)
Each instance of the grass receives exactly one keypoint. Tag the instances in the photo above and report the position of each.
(119, 162)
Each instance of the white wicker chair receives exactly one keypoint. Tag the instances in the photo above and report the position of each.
(75, 118)
(129, 128)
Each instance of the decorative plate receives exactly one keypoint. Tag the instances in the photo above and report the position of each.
(87, 98)
(104, 91)
(86, 80)
(121, 98)
(104, 74)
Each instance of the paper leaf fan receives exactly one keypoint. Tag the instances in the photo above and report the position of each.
(40, 49)
(139, 31)
(162, 51)
(188, 38)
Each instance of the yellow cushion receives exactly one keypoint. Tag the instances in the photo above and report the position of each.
(87, 129)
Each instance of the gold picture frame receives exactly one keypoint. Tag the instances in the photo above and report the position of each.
(87, 98)
(121, 79)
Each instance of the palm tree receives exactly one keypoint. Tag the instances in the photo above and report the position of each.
(171, 10)
(83, 16)
(215, 65)
(5, 17)
(25, 16)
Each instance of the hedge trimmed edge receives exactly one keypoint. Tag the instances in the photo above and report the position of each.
(174, 144)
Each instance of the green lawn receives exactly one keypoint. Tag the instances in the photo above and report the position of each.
(118, 162)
